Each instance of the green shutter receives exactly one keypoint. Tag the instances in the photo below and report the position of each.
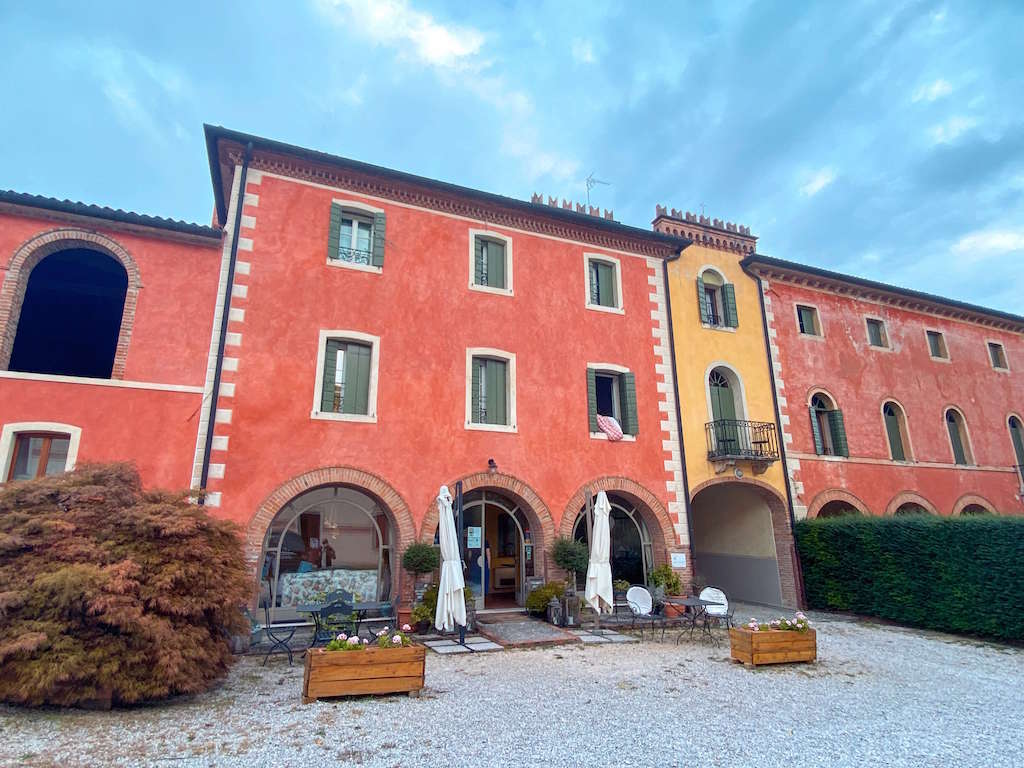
(729, 305)
(892, 430)
(606, 284)
(495, 264)
(838, 429)
(959, 456)
(357, 379)
(1017, 438)
(379, 236)
(819, 443)
(327, 383)
(592, 399)
(474, 394)
(702, 302)
(334, 226)
(595, 284)
(478, 261)
(627, 403)
(496, 372)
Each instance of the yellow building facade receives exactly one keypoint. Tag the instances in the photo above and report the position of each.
(739, 509)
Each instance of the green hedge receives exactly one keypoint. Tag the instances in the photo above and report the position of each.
(962, 574)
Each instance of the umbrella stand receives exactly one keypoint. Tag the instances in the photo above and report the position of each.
(462, 552)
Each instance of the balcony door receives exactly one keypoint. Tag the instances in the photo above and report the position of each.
(723, 413)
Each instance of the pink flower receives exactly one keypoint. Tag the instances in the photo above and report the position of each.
(342, 637)
(397, 640)
(382, 632)
(406, 628)
(365, 641)
(353, 641)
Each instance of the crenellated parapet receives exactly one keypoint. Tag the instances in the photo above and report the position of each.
(713, 233)
(569, 205)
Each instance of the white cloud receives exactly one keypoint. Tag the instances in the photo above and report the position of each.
(933, 91)
(944, 133)
(583, 51)
(989, 242)
(817, 182)
(395, 23)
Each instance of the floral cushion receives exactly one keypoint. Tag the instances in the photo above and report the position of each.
(299, 588)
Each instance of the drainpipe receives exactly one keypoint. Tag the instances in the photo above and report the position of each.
(679, 412)
(219, 367)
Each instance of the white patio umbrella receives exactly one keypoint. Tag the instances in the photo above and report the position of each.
(599, 571)
(451, 600)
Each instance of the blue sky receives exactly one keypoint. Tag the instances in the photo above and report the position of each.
(885, 139)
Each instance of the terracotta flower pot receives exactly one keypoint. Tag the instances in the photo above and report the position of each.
(674, 611)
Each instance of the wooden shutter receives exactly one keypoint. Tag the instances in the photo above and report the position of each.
(333, 230)
(592, 399)
(627, 403)
(496, 264)
(478, 261)
(729, 305)
(892, 430)
(819, 443)
(497, 391)
(959, 456)
(702, 302)
(474, 393)
(606, 284)
(595, 283)
(357, 379)
(379, 236)
(837, 427)
(330, 369)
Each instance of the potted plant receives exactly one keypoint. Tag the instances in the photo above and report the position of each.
(573, 557)
(666, 582)
(538, 599)
(350, 666)
(619, 589)
(418, 559)
(774, 642)
(424, 611)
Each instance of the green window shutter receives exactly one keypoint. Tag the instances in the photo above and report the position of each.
(496, 372)
(330, 369)
(606, 284)
(892, 430)
(476, 368)
(627, 403)
(334, 227)
(837, 427)
(357, 379)
(592, 399)
(729, 304)
(379, 236)
(819, 443)
(478, 261)
(959, 456)
(702, 302)
(495, 264)
(595, 285)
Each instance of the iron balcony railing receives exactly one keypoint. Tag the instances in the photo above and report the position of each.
(352, 255)
(738, 439)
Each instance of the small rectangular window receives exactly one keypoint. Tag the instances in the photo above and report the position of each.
(608, 395)
(603, 284)
(876, 333)
(346, 382)
(355, 237)
(807, 318)
(998, 356)
(39, 455)
(489, 264)
(937, 345)
(490, 393)
(713, 301)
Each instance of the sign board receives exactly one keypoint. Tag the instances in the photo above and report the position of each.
(529, 551)
(473, 536)
(678, 559)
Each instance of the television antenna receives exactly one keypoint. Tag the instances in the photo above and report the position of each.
(591, 182)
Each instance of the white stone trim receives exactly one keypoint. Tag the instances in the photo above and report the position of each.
(489, 234)
(988, 355)
(739, 382)
(318, 386)
(83, 380)
(620, 307)
(885, 333)
(779, 384)
(942, 334)
(500, 354)
(11, 430)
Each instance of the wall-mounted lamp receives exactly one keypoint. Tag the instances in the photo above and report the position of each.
(492, 466)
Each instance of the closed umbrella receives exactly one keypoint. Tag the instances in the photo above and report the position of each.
(451, 600)
(599, 571)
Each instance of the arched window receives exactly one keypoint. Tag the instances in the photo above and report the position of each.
(723, 404)
(896, 431)
(827, 427)
(1017, 438)
(911, 508)
(632, 553)
(958, 440)
(716, 300)
(838, 508)
(974, 509)
(70, 318)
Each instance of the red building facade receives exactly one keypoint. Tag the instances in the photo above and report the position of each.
(893, 401)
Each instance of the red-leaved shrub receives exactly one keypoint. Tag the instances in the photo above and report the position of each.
(110, 594)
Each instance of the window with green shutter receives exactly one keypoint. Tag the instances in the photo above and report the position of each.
(894, 430)
(807, 320)
(346, 377)
(729, 305)
(876, 333)
(827, 427)
(356, 237)
(489, 263)
(611, 393)
(937, 345)
(998, 356)
(957, 436)
(489, 391)
(603, 283)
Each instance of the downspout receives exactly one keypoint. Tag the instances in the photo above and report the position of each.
(679, 413)
(797, 575)
(222, 341)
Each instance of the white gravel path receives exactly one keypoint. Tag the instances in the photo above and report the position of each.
(878, 696)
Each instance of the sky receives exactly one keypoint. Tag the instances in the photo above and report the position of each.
(881, 139)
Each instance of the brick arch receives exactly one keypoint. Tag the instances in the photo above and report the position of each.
(665, 539)
(836, 494)
(37, 248)
(973, 498)
(903, 497)
(533, 507)
(390, 499)
(785, 547)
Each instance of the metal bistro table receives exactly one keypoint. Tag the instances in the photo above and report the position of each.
(360, 610)
(696, 609)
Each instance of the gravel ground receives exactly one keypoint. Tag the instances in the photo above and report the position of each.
(877, 696)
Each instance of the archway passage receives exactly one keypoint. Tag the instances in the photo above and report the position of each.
(734, 545)
(838, 508)
(328, 539)
(632, 551)
(70, 319)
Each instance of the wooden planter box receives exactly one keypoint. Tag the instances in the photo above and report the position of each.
(355, 673)
(773, 646)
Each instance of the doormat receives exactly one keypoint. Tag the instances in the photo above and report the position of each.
(524, 633)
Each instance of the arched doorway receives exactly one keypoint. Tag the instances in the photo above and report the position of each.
(838, 508)
(632, 551)
(326, 539)
(734, 541)
(70, 318)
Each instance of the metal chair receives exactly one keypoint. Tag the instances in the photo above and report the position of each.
(336, 618)
(641, 604)
(275, 636)
(720, 614)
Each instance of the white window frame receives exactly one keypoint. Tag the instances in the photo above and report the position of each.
(510, 362)
(11, 431)
(488, 234)
(357, 208)
(942, 335)
(820, 335)
(988, 354)
(719, 298)
(371, 394)
(885, 332)
(615, 370)
(620, 309)
(743, 415)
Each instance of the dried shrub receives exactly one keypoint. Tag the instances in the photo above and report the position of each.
(113, 594)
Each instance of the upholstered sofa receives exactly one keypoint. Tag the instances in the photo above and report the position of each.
(310, 587)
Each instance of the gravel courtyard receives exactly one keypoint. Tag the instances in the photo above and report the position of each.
(877, 696)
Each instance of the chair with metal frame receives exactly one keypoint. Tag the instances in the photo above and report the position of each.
(335, 618)
(720, 614)
(275, 636)
(641, 605)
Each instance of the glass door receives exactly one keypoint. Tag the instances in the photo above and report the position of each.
(473, 542)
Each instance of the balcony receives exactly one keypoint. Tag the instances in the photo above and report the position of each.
(731, 439)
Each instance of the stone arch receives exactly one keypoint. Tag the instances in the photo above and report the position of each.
(37, 248)
(836, 494)
(973, 498)
(904, 497)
